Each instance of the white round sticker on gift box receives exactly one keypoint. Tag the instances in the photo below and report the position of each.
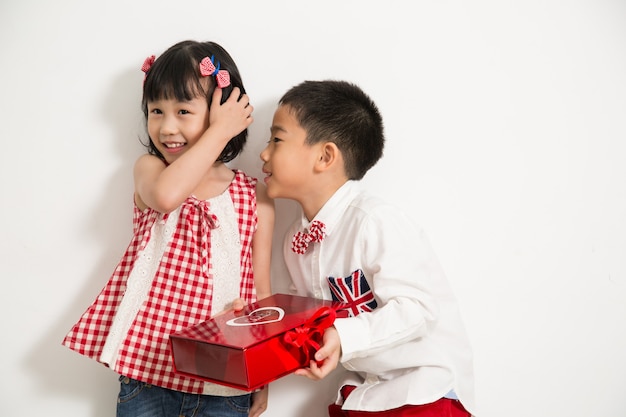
(263, 315)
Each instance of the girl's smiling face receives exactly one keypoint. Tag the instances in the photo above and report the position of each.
(174, 125)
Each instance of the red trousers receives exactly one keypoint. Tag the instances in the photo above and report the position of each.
(443, 407)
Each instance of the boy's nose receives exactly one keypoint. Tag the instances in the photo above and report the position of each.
(263, 155)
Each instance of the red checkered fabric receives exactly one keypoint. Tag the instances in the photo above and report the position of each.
(180, 294)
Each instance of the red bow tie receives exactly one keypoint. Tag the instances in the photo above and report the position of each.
(301, 240)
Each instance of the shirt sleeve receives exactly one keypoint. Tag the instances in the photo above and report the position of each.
(406, 278)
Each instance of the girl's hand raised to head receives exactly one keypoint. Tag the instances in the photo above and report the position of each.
(231, 117)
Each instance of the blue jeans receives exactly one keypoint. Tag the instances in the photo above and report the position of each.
(138, 399)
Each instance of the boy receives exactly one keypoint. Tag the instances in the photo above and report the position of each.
(402, 335)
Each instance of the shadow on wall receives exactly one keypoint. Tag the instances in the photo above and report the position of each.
(62, 373)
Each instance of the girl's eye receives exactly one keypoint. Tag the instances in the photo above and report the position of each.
(155, 111)
(184, 111)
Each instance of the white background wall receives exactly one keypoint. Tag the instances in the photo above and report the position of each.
(506, 140)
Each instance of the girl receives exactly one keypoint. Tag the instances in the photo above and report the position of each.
(202, 238)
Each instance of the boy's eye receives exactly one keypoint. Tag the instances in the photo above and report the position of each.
(275, 140)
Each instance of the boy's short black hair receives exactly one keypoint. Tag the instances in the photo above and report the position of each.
(339, 112)
(176, 75)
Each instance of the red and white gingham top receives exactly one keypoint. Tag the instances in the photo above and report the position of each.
(180, 293)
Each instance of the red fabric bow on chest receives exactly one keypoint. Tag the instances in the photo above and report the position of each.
(301, 240)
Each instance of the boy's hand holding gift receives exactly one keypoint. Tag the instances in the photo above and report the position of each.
(326, 358)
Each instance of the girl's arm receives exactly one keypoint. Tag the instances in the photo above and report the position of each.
(261, 259)
(259, 402)
(165, 187)
(262, 243)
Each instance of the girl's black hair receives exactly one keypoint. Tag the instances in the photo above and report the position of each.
(176, 75)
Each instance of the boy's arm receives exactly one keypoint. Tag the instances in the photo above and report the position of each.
(407, 281)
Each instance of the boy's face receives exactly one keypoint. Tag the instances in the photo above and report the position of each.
(288, 160)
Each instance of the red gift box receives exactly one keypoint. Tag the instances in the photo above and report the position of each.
(248, 349)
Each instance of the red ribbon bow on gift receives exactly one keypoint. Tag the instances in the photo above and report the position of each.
(207, 67)
(301, 240)
(306, 339)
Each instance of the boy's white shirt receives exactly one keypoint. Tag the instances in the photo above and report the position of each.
(413, 348)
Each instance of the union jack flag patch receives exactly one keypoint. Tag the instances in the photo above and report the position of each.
(354, 291)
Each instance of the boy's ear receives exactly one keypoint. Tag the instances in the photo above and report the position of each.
(329, 156)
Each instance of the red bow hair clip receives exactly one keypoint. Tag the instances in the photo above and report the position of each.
(207, 68)
(147, 64)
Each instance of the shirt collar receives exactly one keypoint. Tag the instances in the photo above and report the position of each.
(335, 207)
